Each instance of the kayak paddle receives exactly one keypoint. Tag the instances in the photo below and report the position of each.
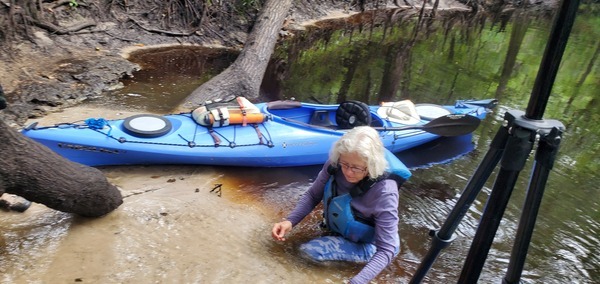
(448, 125)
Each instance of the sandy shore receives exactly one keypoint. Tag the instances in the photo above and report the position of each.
(170, 229)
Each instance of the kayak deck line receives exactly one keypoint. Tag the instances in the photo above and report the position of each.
(189, 143)
(299, 134)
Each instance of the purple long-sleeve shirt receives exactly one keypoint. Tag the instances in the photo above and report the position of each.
(379, 203)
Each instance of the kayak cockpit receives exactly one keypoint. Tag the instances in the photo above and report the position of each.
(334, 117)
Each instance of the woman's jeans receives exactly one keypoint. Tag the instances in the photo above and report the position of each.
(337, 248)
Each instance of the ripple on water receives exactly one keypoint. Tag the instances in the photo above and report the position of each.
(27, 238)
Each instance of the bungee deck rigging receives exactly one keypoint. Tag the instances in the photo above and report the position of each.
(288, 135)
(98, 124)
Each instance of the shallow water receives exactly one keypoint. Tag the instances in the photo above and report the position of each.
(173, 229)
(178, 224)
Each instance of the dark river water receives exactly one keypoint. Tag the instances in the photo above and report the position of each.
(454, 57)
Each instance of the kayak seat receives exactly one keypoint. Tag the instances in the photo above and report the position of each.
(321, 118)
(351, 114)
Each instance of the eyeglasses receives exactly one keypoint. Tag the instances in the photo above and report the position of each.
(356, 170)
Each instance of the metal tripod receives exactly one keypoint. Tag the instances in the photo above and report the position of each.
(511, 146)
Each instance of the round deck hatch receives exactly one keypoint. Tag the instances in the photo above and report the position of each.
(147, 125)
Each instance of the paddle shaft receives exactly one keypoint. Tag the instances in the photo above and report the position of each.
(448, 125)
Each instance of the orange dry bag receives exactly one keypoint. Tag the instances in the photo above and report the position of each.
(222, 115)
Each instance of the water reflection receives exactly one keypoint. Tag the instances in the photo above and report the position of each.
(167, 76)
(456, 58)
(36, 235)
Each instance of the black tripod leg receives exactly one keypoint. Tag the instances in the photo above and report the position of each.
(544, 160)
(518, 147)
(444, 236)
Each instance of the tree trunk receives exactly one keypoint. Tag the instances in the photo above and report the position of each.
(520, 27)
(350, 66)
(393, 72)
(2, 99)
(244, 76)
(32, 171)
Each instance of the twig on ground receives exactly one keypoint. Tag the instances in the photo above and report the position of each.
(163, 31)
(60, 30)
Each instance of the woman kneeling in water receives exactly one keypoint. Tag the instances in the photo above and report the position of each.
(359, 192)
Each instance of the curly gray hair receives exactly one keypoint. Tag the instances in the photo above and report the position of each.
(364, 141)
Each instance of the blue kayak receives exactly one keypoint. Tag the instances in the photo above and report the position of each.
(291, 133)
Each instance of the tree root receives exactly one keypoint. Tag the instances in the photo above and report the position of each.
(37, 174)
(60, 30)
(170, 33)
(119, 38)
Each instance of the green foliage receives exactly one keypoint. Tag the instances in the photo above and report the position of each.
(465, 61)
(73, 3)
(249, 3)
(589, 7)
(245, 6)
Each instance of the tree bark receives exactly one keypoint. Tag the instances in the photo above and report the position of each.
(520, 27)
(395, 64)
(2, 99)
(34, 172)
(244, 76)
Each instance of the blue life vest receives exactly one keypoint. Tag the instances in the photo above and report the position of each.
(338, 213)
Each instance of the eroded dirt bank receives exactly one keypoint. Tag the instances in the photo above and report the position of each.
(171, 228)
(44, 72)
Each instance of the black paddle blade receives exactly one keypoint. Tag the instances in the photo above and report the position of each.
(448, 125)
(452, 125)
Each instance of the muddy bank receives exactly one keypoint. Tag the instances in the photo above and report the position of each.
(64, 83)
(48, 72)
(49, 69)
(171, 228)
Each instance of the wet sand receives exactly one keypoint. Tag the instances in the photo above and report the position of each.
(170, 229)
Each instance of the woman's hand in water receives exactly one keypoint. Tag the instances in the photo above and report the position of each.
(280, 229)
